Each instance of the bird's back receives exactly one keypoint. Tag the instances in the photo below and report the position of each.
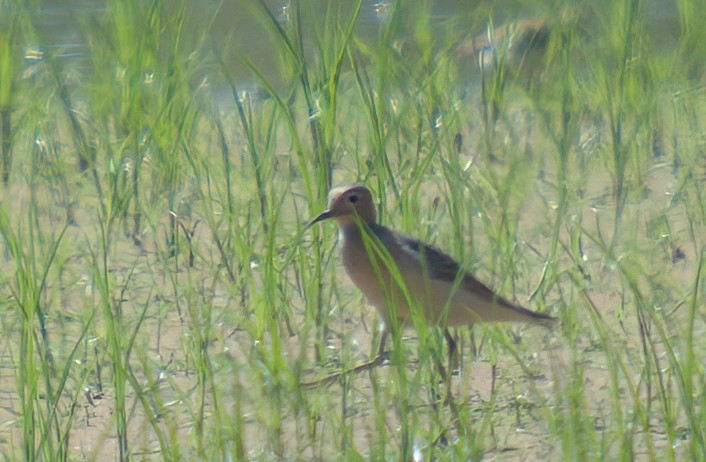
(433, 282)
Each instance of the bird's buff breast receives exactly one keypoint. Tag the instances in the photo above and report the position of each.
(373, 278)
(364, 275)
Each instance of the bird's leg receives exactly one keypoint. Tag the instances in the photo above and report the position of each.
(445, 374)
(493, 375)
(451, 344)
(381, 348)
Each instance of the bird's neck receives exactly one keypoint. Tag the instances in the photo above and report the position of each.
(353, 230)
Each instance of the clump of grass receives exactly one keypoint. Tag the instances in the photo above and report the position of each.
(8, 77)
(47, 407)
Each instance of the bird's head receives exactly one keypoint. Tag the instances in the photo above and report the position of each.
(348, 204)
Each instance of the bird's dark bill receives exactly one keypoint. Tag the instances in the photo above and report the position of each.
(324, 216)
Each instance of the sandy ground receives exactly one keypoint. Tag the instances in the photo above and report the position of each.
(517, 401)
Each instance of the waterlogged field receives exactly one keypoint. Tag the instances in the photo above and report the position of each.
(162, 300)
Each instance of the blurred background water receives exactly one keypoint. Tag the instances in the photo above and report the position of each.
(61, 27)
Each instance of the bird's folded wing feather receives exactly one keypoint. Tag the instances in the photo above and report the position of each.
(440, 266)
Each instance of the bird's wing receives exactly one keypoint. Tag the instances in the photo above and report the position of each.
(440, 266)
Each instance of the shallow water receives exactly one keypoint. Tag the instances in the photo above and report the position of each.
(62, 27)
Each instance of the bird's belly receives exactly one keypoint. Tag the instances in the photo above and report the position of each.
(436, 301)
(378, 286)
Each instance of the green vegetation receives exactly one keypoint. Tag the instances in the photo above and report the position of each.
(162, 298)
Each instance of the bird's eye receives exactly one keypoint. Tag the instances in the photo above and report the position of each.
(353, 198)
